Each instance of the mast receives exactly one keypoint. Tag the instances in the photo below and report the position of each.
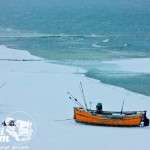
(83, 96)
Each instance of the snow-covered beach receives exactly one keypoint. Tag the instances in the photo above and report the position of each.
(40, 88)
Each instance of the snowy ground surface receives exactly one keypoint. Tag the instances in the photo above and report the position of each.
(136, 65)
(40, 88)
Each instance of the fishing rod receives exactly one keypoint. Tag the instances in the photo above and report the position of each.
(75, 100)
(83, 96)
(3, 84)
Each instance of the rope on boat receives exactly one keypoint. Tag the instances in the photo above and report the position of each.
(65, 119)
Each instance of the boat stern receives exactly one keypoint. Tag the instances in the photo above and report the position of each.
(145, 120)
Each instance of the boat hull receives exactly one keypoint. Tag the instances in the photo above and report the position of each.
(83, 116)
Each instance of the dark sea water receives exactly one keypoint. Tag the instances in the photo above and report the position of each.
(82, 33)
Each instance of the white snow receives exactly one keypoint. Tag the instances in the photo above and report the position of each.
(40, 89)
(7, 53)
(136, 65)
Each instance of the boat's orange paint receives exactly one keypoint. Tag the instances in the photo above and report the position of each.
(123, 120)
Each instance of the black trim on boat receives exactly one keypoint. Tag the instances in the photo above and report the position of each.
(146, 120)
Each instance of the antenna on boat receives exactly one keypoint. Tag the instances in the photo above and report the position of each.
(83, 96)
(122, 107)
(75, 100)
(90, 105)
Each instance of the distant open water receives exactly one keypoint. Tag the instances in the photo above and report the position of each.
(82, 34)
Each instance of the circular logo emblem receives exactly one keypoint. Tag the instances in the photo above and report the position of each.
(19, 127)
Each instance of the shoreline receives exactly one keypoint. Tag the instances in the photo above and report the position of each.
(124, 64)
(128, 70)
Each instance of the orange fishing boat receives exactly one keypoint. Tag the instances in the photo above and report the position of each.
(110, 118)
